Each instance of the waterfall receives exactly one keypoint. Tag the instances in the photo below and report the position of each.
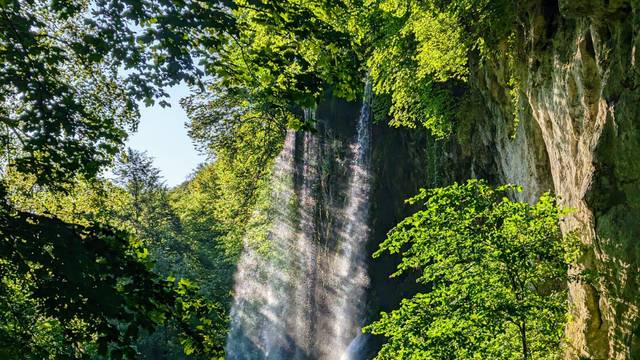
(350, 262)
(299, 291)
(259, 325)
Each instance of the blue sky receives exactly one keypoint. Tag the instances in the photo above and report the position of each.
(162, 134)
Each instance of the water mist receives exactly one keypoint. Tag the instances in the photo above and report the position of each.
(302, 296)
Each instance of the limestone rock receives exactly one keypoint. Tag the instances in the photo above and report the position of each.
(578, 135)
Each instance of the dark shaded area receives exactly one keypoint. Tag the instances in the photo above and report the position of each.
(551, 14)
(97, 275)
(90, 273)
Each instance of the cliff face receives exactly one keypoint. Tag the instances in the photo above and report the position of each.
(578, 135)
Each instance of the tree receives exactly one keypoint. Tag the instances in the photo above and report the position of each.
(90, 281)
(193, 312)
(73, 70)
(71, 76)
(150, 210)
(495, 274)
(65, 103)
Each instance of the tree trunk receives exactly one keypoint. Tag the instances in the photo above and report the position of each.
(523, 337)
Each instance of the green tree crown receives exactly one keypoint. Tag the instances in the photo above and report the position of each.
(494, 272)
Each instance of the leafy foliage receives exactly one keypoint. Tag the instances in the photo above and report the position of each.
(83, 201)
(176, 244)
(24, 331)
(65, 106)
(90, 274)
(72, 73)
(69, 86)
(182, 244)
(148, 212)
(496, 274)
(418, 54)
(243, 140)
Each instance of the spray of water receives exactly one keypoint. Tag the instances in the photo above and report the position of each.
(303, 296)
(349, 262)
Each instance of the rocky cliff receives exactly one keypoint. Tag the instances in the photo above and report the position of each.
(577, 118)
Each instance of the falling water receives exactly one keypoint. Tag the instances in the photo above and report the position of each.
(349, 267)
(299, 293)
(259, 325)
